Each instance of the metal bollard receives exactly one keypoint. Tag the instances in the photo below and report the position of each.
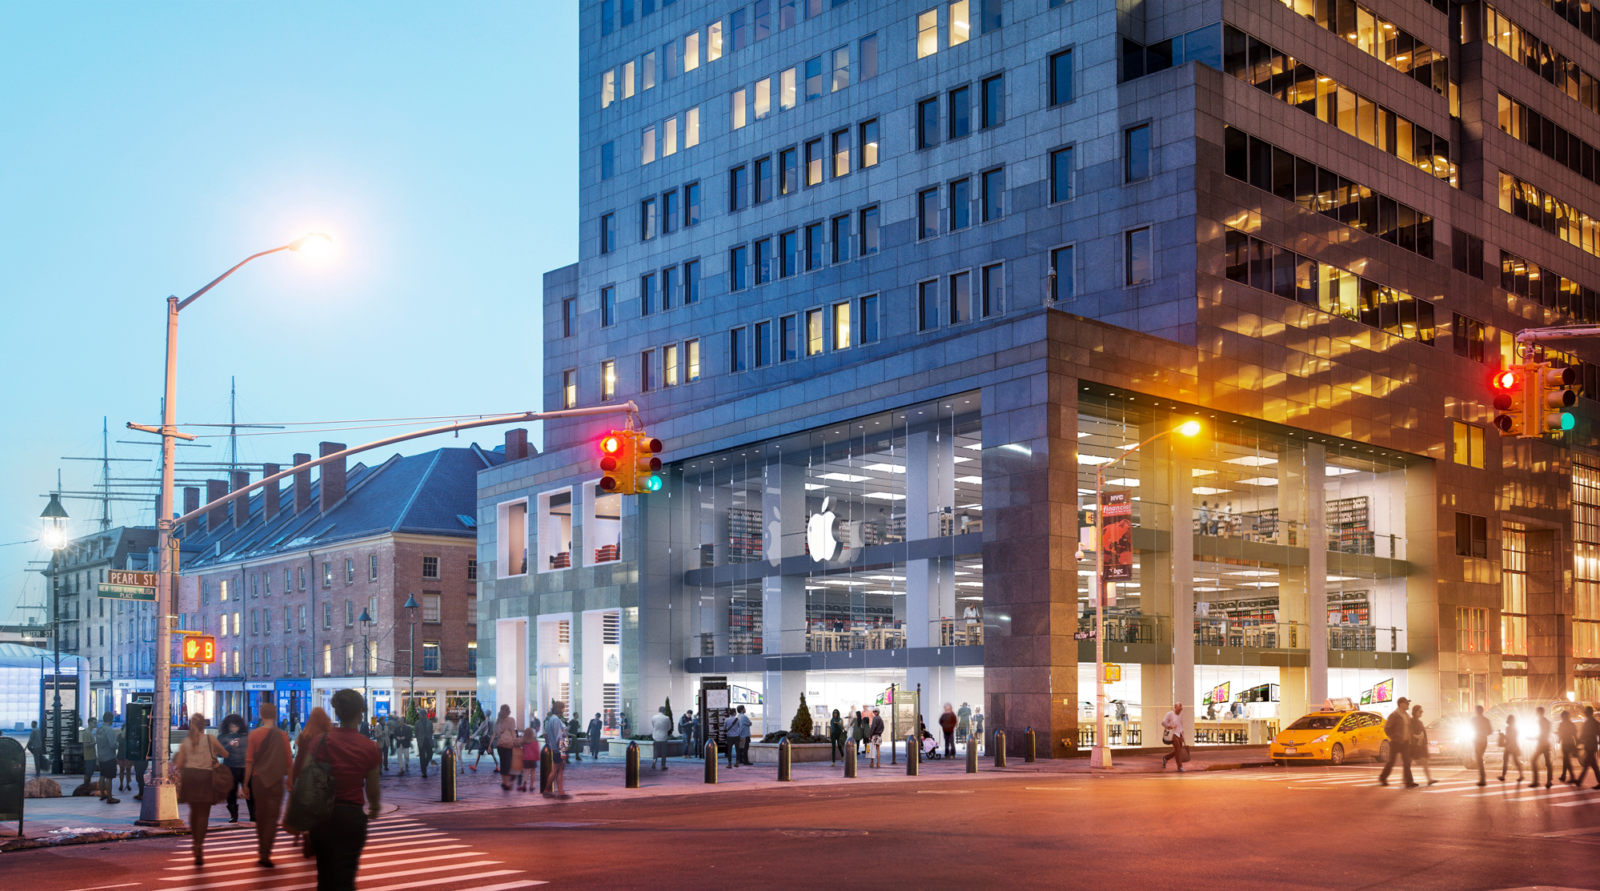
(913, 755)
(447, 775)
(850, 761)
(547, 766)
(972, 755)
(1029, 754)
(630, 778)
(711, 761)
(999, 748)
(783, 761)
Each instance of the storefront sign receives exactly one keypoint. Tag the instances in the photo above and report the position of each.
(1113, 673)
(1116, 536)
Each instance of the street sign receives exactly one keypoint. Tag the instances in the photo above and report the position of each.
(138, 579)
(1083, 635)
(1113, 672)
(127, 592)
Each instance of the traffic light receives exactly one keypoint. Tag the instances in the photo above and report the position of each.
(645, 463)
(199, 649)
(1508, 400)
(616, 461)
(1549, 395)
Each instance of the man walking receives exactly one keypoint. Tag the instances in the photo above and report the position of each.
(424, 731)
(105, 745)
(1172, 732)
(36, 746)
(401, 737)
(1398, 729)
(730, 731)
(1481, 728)
(1541, 746)
(686, 724)
(947, 723)
(596, 730)
(875, 738)
(555, 737)
(1567, 735)
(380, 735)
(660, 732)
(1589, 740)
(266, 766)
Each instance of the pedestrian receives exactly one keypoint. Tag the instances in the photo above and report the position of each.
(266, 770)
(660, 732)
(744, 737)
(353, 762)
(1567, 734)
(424, 732)
(1511, 748)
(1589, 741)
(730, 732)
(947, 723)
(858, 733)
(1172, 732)
(380, 735)
(481, 741)
(596, 730)
(36, 746)
(105, 744)
(555, 736)
(505, 737)
(875, 738)
(525, 759)
(1481, 728)
(963, 723)
(835, 737)
(90, 758)
(575, 739)
(198, 756)
(124, 766)
(685, 730)
(232, 734)
(977, 729)
(1397, 727)
(1541, 746)
(1419, 743)
(401, 737)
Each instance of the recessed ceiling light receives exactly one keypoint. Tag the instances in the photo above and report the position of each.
(1260, 481)
(1198, 471)
(843, 477)
(970, 480)
(1331, 470)
(1207, 490)
(1094, 459)
(1123, 481)
(1253, 573)
(1341, 578)
(1253, 461)
(886, 468)
(975, 446)
(886, 496)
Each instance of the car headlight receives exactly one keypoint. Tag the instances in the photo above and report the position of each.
(1321, 739)
(1466, 736)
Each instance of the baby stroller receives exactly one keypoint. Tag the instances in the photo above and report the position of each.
(930, 747)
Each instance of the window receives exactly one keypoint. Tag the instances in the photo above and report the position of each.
(608, 23)
(627, 79)
(669, 60)
(327, 659)
(762, 249)
(713, 41)
(738, 188)
(992, 289)
(647, 371)
(349, 613)
(608, 160)
(786, 88)
(736, 349)
(691, 204)
(430, 567)
(763, 181)
(608, 306)
(669, 136)
(608, 380)
(302, 618)
(669, 211)
(647, 71)
(813, 152)
(841, 326)
(841, 68)
(647, 293)
(472, 657)
(738, 268)
(867, 317)
(1472, 629)
(430, 607)
(608, 233)
(960, 204)
(761, 20)
(813, 246)
(927, 213)
(788, 344)
(763, 336)
(788, 171)
(960, 294)
(1472, 535)
(1468, 337)
(738, 38)
(994, 101)
(841, 152)
(647, 219)
(691, 127)
(960, 22)
(869, 230)
(569, 324)
(1061, 161)
(430, 656)
(349, 570)
(813, 78)
(1468, 445)
(569, 388)
(994, 188)
(327, 579)
(814, 332)
(669, 365)
(928, 305)
(840, 238)
(1136, 153)
(763, 98)
(928, 123)
(989, 15)
(1136, 256)
(691, 51)
(788, 253)
(1062, 269)
(1061, 87)
(647, 145)
(327, 617)
(867, 56)
(736, 109)
(960, 100)
(927, 33)
(869, 143)
(691, 359)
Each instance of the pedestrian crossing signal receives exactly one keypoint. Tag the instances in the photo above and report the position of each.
(199, 649)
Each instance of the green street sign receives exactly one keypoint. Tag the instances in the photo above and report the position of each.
(127, 592)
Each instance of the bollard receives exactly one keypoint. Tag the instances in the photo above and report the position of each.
(1028, 752)
(783, 761)
(547, 766)
(972, 755)
(850, 761)
(913, 755)
(447, 775)
(999, 748)
(711, 761)
(630, 776)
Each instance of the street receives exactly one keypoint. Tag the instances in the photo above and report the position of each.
(1320, 827)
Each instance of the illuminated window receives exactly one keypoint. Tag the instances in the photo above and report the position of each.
(814, 332)
(1468, 445)
(960, 24)
(669, 365)
(691, 355)
(841, 326)
(608, 380)
(927, 33)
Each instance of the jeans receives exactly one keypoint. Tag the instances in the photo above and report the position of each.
(949, 743)
(404, 751)
(337, 843)
(1403, 752)
(266, 800)
(1479, 748)
(1508, 757)
(233, 796)
(1533, 763)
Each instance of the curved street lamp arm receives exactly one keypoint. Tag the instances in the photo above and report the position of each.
(235, 268)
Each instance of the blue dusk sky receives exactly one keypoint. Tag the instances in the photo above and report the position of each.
(149, 146)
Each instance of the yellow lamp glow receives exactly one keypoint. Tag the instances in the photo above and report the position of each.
(312, 244)
(1190, 427)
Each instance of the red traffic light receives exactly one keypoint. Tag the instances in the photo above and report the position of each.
(611, 443)
(1505, 379)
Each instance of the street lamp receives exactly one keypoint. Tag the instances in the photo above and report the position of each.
(411, 653)
(1100, 755)
(366, 625)
(55, 538)
(162, 806)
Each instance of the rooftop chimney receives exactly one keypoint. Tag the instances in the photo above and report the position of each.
(191, 502)
(270, 498)
(516, 444)
(302, 483)
(241, 505)
(332, 475)
(216, 516)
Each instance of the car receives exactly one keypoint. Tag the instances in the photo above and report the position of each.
(1334, 734)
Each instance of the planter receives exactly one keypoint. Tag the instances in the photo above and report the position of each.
(618, 748)
(767, 753)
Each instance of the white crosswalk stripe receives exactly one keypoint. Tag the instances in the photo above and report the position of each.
(1461, 786)
(397, 854)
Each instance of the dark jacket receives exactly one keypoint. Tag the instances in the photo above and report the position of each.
(877, 725)
(1397, 727)
(1589, 733)
(947, 722)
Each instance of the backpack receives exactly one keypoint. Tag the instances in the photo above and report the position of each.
(311, 801)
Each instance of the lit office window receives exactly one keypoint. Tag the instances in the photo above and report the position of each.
(763, 98)
(841, 326)
(927, 33)
(786, 88)
(569, 388)
(714, 42)
(960, 24)
(608, 87)
(608, 380)
(691, 51)
(647, 145)
(841, 68)
(813, 152)
(841, 152)
(669, 365)
(736, 109)
(814, 332)
(691, 127)
(869, 143)
(627, 79)
(691, 359)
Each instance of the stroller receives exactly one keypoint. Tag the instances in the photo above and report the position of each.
(930, 747)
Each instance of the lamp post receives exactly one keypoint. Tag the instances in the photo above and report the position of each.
(411, 652)
(366, 626)
(161, 806)
(55, 538)
(1100, 755)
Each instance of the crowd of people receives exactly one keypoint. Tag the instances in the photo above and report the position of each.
(1578, 741)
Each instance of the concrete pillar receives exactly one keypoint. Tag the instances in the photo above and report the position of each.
(1303, 590)
(1167, 473)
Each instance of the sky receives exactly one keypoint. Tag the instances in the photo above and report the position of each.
(149, 146)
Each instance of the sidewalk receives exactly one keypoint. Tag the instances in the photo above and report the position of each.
(52, 821)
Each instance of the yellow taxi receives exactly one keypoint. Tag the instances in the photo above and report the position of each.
(1336, 733)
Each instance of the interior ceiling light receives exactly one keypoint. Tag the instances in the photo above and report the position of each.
(1094, 459)
(843, 477)
(886, 468)
(886, 496)
(1207, 490)
(1122, 481)
(1331, 470)
(1254, 573)
(1260, 481)
(1253, 461)
(970, 480)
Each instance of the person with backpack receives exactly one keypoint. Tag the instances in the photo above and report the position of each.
(266, 768)
(352, 764)
(198, 757)
(424, 731)
(555, 736)
(317, 724)
(1397, 727)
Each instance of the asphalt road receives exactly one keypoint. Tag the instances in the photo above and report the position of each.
(1280, 827)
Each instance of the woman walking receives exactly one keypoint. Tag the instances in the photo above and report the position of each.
(505, 737)
(1510, 749)
(555, 736)
(317, 723)
(858, 733)
(198, 756)
(836, 736)
(233, 735)
(1419, 743)
(353, 759)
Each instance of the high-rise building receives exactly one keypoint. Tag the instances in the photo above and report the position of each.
(894, 281)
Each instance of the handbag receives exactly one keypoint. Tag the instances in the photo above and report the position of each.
(311, 801)
(1183, 754)
(221, 781)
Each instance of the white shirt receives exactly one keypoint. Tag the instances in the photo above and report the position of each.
(1173, 722)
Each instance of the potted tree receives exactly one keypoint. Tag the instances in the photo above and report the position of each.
(804, 744)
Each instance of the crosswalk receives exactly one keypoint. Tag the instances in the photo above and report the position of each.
(400, 853)
(1451, 783)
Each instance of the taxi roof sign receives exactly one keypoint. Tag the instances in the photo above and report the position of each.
(1340, 704)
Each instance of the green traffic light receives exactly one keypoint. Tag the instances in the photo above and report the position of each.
(652, 484)
(1568, 421)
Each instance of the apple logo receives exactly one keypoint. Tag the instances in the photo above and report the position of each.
(775, 538)
(819, 534)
